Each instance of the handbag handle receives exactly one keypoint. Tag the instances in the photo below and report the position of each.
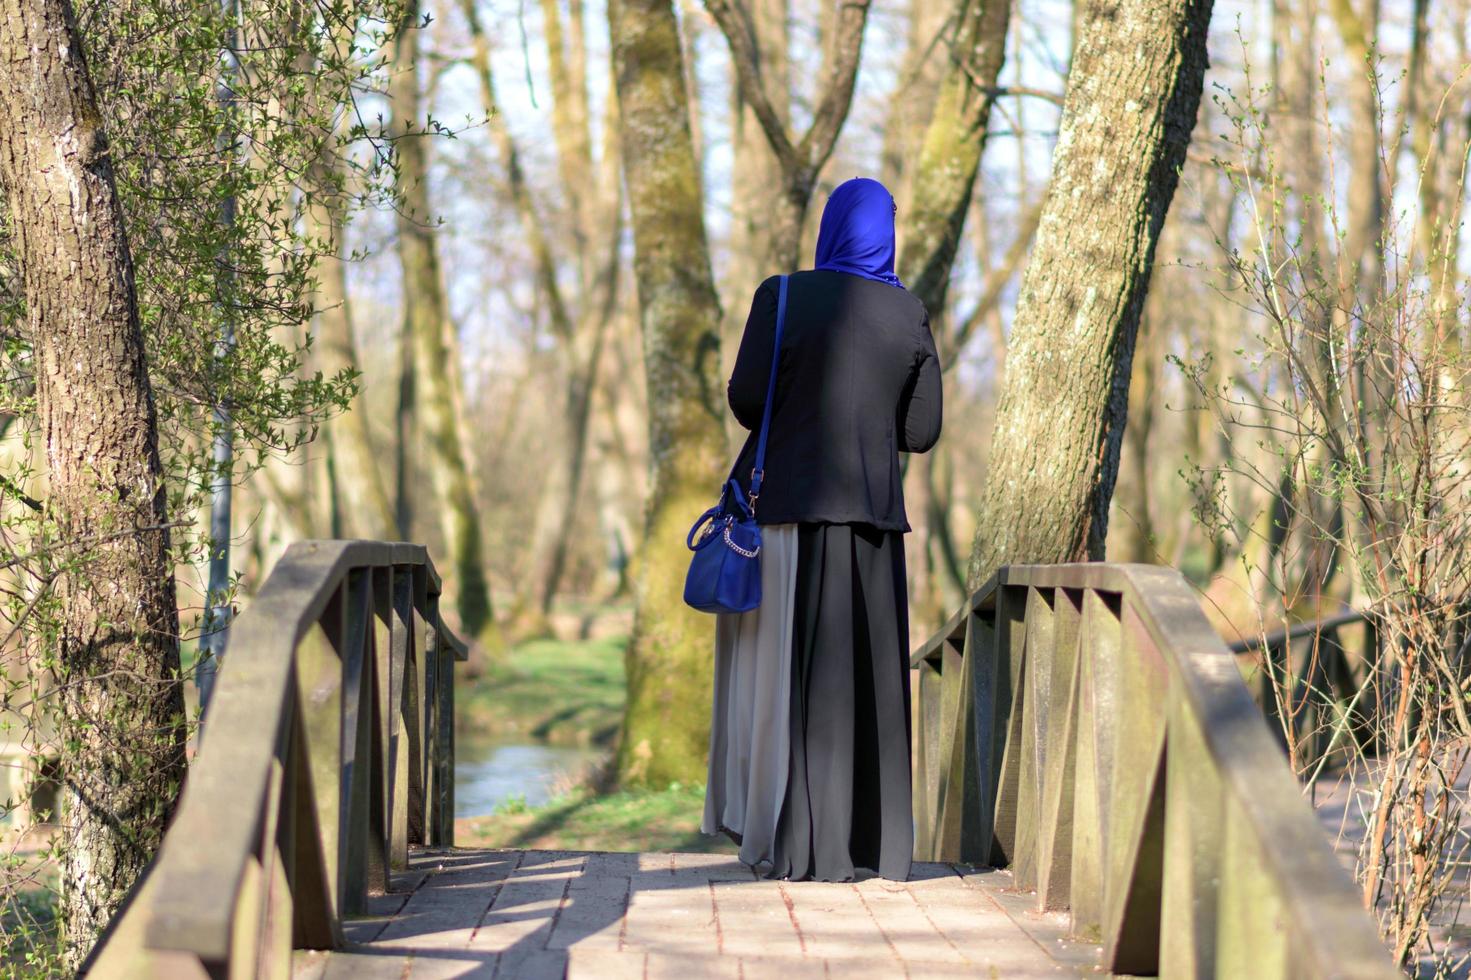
(758, 472)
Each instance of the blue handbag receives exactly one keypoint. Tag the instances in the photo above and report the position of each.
(725, 569)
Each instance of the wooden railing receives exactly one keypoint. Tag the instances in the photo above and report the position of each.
(1085, 726)
(327, 752)
(1325, 686)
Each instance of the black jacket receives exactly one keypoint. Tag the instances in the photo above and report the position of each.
(858, 384)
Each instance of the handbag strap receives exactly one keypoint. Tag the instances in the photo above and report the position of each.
(758, 472)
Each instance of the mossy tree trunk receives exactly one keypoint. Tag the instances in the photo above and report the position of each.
(1131, 105)
(116, 651)
(666, 724)
(950, 156)
(426, 323)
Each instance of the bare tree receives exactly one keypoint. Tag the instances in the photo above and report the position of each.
(592, 190)
(433, 370)
(358, 492)
(799, 158)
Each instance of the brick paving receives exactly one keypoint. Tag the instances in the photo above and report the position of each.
(492, 914)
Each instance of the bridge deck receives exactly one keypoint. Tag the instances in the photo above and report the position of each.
(534, 914)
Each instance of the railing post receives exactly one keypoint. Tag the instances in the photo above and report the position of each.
(400, 729)
(1096, 758)
(1059, 755)
(439, 734)
(1011, 654)
(926, 779)
(1035, 706)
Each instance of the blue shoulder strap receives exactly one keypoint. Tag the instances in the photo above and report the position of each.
(758, 472)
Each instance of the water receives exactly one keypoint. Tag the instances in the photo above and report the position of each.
(489, 772)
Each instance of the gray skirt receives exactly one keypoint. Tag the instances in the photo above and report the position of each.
(809, 742)
(750, 734)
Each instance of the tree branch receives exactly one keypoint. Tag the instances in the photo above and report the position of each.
(995, 282)
(835, 97)
(740, 37)
(840, 73)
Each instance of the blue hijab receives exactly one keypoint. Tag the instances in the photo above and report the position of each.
(857, 231)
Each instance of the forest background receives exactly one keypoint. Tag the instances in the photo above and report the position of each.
(450, 340)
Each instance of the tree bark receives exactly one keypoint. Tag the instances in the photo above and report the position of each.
(1131, 104)
(426, 321)
(665, 727)
(951, 153)
(1134, 539)
(117, 656)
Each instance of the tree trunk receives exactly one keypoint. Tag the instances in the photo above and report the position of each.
(358, 488)
(426, 321)
(951, 154)
(1131, 105)
(666, 721)
(122, 709)
(1134, 538)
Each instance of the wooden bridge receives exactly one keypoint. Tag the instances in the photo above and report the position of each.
(1095, 791)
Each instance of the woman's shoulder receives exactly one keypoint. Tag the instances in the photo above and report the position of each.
(871, 288)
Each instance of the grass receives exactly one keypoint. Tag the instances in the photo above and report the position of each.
(571, 693)
(583, 820)
(553, 691)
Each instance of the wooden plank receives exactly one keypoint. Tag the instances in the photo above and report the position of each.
(313, 913)
(275, 937)
(272, 937)
(1194, 839)
(412, 715)
(954, 741)
(988, 731)
(1037, 681)
(928, 788)
(1252, 940)
(1092, 773)
(399, 740)
(320, 673)
(1055, 828)
(382, 648)
(1011, 693)
(442, 797)
(974, 813)
(1134, 846)
(245, 928)
(355, 770)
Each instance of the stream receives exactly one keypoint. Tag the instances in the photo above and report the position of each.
(490, 771)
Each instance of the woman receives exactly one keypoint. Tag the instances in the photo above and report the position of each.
(809, 743)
